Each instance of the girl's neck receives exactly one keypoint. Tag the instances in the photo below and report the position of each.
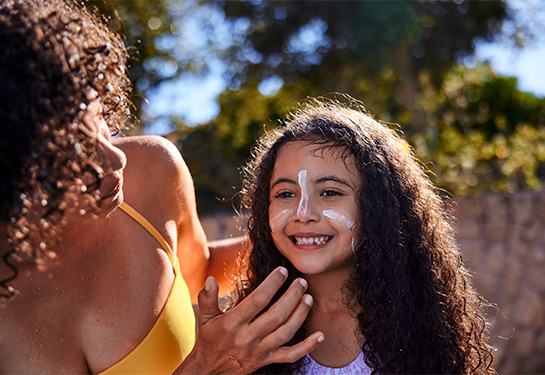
(329, 291)
(335, 315)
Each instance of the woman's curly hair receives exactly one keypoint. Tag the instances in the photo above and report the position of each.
(421, 314)
(54, 55)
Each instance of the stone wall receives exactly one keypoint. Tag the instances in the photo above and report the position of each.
(503, 242)
(502, 238)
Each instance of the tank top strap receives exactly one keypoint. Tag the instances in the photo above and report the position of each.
(125, 207)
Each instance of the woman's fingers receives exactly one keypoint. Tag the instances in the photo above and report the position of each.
(293, 353)
(236, 342)
(281, 335)
(208, 301)
(280, 312)
(257, 300)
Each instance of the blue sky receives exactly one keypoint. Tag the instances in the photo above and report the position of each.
(526, 64)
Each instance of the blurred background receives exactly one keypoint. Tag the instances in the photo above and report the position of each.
(463, 80)
(213, 76)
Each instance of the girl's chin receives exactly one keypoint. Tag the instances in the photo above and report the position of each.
(309, 269)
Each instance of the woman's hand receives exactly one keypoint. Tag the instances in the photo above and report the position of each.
(236, 342)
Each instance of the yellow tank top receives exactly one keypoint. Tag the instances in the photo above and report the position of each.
(173, 335)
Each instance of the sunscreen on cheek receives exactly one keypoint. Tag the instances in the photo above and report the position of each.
(340, 218)
(281, 219)
(343, 221)
(303, 202)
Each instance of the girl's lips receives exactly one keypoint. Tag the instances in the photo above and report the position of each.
(310, 240)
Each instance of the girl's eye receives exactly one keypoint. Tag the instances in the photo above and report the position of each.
(284, 194)
(331, 193)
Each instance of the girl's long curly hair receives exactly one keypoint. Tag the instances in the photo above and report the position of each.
(421, 314)
(54, 54)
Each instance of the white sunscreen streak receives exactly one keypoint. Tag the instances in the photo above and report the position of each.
(336, 216)
(303, 202)
(281, 219)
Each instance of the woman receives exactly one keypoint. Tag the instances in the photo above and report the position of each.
(95, 233)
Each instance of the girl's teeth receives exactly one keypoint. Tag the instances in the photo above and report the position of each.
(310, 240)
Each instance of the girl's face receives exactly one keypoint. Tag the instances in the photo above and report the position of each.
(314, 209)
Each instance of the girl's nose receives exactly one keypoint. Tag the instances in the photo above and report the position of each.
(305, 210)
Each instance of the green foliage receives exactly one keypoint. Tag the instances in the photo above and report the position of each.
(425, 35)
(473, 129)
(485, 135)
(375, 51)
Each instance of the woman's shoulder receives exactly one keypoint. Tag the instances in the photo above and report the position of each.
(149, 150)
(157, 183)
(154, 166)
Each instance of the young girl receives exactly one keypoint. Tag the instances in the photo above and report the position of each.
(337, 198)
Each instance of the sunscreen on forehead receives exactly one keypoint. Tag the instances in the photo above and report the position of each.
(303, 202)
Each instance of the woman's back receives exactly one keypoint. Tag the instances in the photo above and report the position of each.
(98, 299)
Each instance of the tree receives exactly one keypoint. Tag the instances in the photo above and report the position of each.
(469, 125)
(487, 135)
(166, 40)
(357, 47)
(403, 59)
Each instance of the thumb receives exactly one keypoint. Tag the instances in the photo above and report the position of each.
(208, 301)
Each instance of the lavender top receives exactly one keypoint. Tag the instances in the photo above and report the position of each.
(357, 367)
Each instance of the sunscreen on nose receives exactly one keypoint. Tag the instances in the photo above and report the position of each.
(303, 202)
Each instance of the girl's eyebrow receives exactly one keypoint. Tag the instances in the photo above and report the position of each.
(334, 179)
(281, 180)
(318, 181)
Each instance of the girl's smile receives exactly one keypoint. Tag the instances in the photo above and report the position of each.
(313, 209)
